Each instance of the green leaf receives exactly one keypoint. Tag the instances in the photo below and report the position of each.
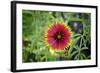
(83, 55)
(73, 53)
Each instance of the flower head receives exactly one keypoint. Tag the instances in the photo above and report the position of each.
(58, 36)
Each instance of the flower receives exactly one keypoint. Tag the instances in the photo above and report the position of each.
(58, 36)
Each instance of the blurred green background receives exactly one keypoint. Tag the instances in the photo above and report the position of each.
(35, 24)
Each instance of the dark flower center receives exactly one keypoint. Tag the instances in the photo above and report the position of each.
(58, 36)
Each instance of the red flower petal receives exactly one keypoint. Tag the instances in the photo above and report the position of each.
(58, 36)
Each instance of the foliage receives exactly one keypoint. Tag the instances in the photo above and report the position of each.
(35, 24)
